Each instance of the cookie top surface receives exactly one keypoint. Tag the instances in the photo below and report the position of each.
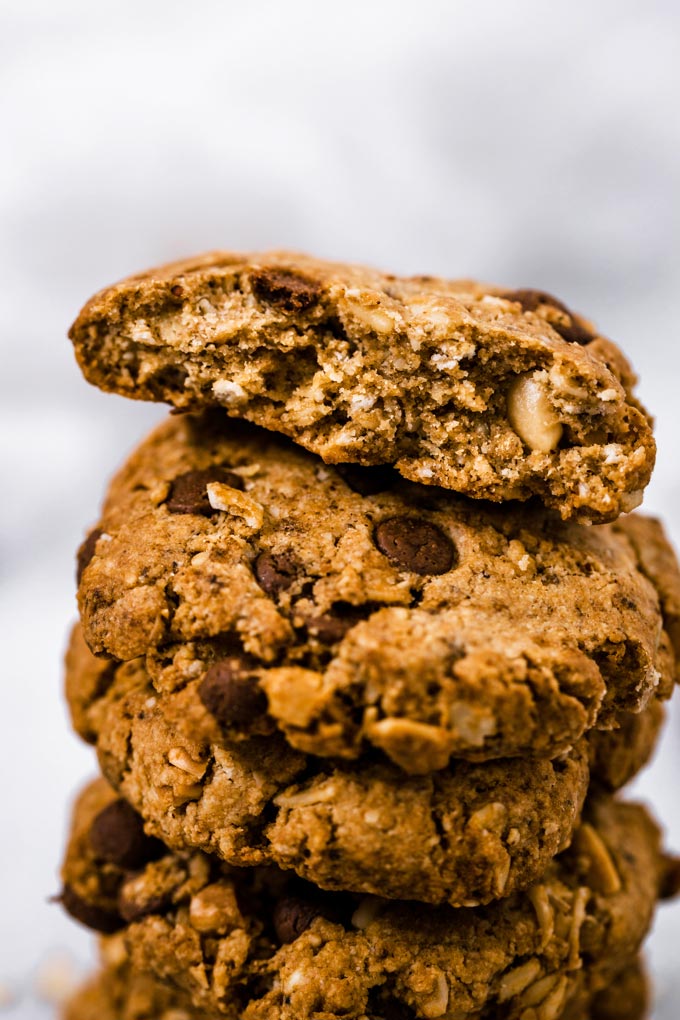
(249, 943)
(369, 610)
(495, 393)
(466, 834)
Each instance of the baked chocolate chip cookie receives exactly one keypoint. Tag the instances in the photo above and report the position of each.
(463, 835)
(254, 944)
(351, 609)
(498, 394)
(118, 993)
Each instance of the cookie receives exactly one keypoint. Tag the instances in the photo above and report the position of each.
(254, 945)
(352, 609)
(497, 394)
(466, 834)
(117, 993)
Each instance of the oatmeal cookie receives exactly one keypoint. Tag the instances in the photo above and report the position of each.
(496, 393)
(349, 608)
(254, 944)
(119, 993)
(467, 834)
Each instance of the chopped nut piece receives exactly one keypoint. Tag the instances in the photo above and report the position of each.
(181, 759)
(437, 1004)
(318, 795)
(231, 501)
(491, 817)
(295, 694)
(577, 918)
(516, 980)
(405, 741)
(602, 874)
(214, 909)
(545, 914)
(532, 416)
(367, 911)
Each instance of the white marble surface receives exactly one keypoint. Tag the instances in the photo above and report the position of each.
(525, 142)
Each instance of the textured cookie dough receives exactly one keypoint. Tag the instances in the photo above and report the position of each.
(118, 993)
(252, 944)
(494, 393)
(349, 608)
(464, 835)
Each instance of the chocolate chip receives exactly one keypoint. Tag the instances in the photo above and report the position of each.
(284, 289)
(86, 552)
(189, 492)
(414, 544)
(530, 300)
(117, 836)
(275, 572)
(231, 696)
(367, 481)
(133, 909)
(670, 880)
(328, 629)
(293, 916)
(92, 916)
(331, 627)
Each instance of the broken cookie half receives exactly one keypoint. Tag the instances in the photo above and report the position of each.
(494, 393)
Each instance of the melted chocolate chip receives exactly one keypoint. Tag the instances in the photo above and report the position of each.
(275, 572)
(92, 916)
(368, 481)
(231, 696)
(284, 289)
(530, 300)
(189, 492)
(293, 916)
(117, 836)
(415, 544)
(86, 552)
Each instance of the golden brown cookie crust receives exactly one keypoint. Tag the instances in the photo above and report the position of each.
(248, 944)
(494, 393)
(369, 610)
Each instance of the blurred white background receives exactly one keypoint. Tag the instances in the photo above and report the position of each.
(527, 143)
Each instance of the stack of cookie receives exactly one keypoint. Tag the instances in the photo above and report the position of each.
(366, 651)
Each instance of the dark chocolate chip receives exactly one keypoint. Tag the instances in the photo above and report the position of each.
(415, 544)
(86, 552)
(331, 627)
(189, 492)
(284, 289)
(670, 880)
(293, 916)
(132, 909)
(117, 836)
(367, 481)
(328, 629)
(231, 696)
(530, 300)
(275, 572)
(92, 916)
